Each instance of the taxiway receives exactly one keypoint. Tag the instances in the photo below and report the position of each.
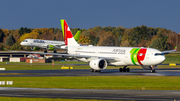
(86, 72)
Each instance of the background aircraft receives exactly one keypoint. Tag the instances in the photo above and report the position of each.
(36, 44)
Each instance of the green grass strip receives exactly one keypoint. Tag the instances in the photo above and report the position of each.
(97, 82)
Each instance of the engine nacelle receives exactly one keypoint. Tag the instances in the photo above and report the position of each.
(35, 48)
(50, 47)
(146, 67)
(98, 64)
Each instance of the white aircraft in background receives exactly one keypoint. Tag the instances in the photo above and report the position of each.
(99, 57)
(36, 44)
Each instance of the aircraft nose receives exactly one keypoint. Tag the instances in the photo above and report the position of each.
(21, 43)
(163, 58)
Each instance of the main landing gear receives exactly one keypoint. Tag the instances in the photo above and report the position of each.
(92, 70)
(55, 51)
(124, 69)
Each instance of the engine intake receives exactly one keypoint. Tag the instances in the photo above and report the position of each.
(98, 64)
(35, 48)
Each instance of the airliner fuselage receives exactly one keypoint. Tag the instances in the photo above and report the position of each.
(122, 55)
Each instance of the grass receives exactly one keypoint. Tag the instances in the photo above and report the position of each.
(43, 99)
(172, 58)
(97, 82)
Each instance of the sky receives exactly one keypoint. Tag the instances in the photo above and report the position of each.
(85, 14)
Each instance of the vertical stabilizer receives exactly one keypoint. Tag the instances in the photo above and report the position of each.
(77, 35)
(68, 37)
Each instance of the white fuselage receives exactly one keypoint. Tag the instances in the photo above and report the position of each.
(40, 43)
(122, 55)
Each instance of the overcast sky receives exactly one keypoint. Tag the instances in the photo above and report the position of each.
(90, 13)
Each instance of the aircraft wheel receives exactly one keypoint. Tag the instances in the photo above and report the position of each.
(55, 51)
(153, 71)
(45, 51)
(120, 69)
(92, 70)
(124, 70)
(99, 71)
(128, 69)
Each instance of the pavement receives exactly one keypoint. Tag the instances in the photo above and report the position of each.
(137, 95)
(140, 95)
(86, 72)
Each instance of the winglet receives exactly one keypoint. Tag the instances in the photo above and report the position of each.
(166, 52)
(175, 48)
(4, 48)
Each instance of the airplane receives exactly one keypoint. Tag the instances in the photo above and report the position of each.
(99, 57)
(36, 44)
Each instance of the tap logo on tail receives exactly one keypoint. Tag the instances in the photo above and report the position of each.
(66, 31)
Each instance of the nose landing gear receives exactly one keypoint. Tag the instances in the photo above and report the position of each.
(153, 69)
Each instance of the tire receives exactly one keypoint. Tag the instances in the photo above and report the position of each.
(124, 70)
(92, 70)
(120, 69)
(153, 71)
(128, 69)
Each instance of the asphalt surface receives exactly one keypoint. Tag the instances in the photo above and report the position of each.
(137, 95)
(86, 72)
(151, 95)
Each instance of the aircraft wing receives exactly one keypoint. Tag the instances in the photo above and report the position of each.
(65, 55)
(166, 52)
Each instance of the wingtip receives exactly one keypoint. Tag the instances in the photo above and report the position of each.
(4, 48)
(175, 48)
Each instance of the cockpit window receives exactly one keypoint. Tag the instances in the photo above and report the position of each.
(25, 41)
(156, 54)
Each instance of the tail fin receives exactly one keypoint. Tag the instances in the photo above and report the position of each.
(68, 37)
(77, 35)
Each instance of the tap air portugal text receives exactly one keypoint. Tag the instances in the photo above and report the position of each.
(99, 57)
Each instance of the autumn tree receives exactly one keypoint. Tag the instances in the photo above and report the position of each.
(1, 46)
(172, 39)
(16, 46)
(32, 35)
(47, 34)
(10, 40)
(74, 30)
(84, 40)
(160, 43)
(1, 35)
(59, 37)
(6, 32)
(125, 44)
(108, 41)
(24, 30)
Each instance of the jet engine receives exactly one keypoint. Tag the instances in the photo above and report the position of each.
(35, 48)
(50, 47)
(98, 64)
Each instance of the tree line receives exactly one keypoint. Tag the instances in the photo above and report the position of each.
(140, 36)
